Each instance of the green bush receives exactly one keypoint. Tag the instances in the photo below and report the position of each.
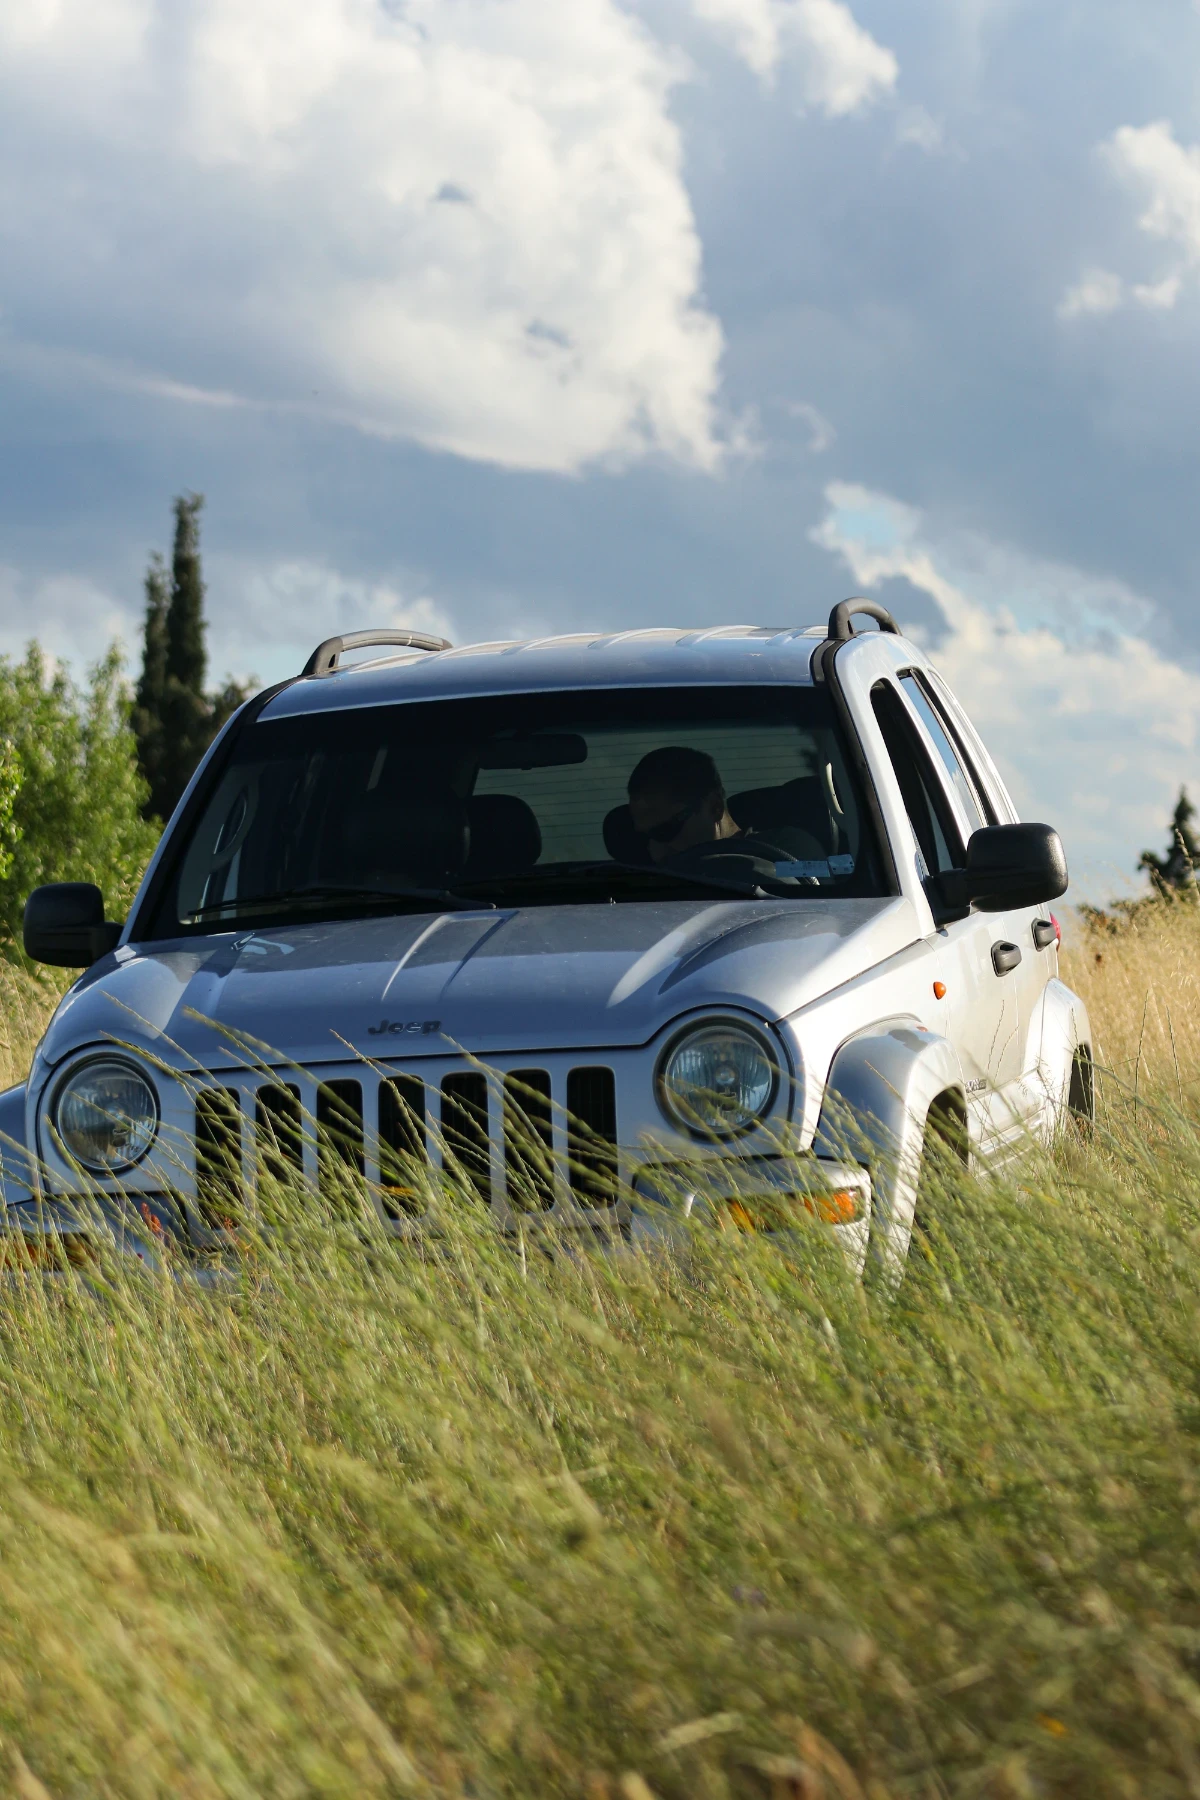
(70, 793)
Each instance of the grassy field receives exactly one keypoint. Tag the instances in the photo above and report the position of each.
(496, 1526)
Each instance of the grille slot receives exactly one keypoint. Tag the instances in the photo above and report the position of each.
(401, 1143)
(528, 1140)
(465, 1129)
(218, 1157)
(592, 1135)
(340, 1150)
(279, 1131)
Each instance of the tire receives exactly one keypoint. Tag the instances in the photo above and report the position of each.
(1081, 1094)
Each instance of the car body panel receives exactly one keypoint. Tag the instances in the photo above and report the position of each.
(484, 982)
(737, 655)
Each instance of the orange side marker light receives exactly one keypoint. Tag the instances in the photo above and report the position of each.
(939, 990)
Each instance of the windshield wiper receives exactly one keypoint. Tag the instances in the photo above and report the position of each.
(610, 873)
(322, 892)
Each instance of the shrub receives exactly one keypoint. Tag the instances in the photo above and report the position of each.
(70, 793)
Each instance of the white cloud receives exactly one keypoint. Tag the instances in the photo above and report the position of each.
(1159, 296)
(1093, 731)
(1168, 175)
(265, 619)
(919, 128)
(268, 619)
(821, 432)
(841, 67)
(73, 619)
(1100, 291)
(1165, 174)
(458, 221)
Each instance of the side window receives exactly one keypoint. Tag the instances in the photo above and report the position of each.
(935, 831)
(974, 809)
(975, 752)
(962, 780)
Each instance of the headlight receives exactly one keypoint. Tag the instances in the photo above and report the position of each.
(717, 1080)
(106, 1115)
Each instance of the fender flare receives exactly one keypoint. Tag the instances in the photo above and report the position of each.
(880, 1087)
(1063, 1030)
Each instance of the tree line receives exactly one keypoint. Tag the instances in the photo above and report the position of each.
(89, 771)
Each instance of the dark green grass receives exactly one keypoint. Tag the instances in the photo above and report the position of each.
(484, 1523)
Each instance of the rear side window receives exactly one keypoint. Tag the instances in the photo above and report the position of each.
(968, 791)
(929, 814)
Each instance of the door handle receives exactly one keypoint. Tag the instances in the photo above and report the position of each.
(1044, 934)
(1005, 957)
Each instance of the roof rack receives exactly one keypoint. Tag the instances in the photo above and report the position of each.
(326, 657)
(840, 628)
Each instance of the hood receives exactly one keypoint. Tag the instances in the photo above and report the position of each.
(532, 978)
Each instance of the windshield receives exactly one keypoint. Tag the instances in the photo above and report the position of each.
(527, 799)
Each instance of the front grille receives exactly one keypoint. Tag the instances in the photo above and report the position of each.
(218, 1156)
(592, 1135)
(279, 1130)
(522, 1136)
(528, 1140)
(466, 1140)
(403, 1144)
(341, 1151)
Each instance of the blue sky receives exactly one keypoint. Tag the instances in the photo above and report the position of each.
(509, 316)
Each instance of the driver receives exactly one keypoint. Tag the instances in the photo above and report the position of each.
(677, 803)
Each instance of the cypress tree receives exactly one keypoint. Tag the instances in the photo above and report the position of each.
(187, 729)
(147, 718)
(187, 658)
(174, 719)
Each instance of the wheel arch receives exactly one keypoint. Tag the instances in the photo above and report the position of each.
(1065, 1036)
(883, 1086)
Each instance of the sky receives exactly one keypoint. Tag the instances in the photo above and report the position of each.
(504, 317)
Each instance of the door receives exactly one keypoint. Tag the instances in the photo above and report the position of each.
(981, 800)
(973, 958)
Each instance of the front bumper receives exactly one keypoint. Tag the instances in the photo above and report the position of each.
(763, 1194)
(551, 1139)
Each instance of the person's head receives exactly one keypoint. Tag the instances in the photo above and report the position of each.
(677, 799)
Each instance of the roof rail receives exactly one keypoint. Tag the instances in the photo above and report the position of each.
(326, 657)
(840, 627)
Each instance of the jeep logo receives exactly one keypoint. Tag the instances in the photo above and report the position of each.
(393, 1027)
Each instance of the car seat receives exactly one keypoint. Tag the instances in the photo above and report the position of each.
(505, 836)
(412, 839)
(624, 843)
(799, 805)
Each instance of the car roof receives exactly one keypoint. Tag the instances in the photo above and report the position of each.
(738, 655)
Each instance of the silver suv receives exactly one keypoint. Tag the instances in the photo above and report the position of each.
(610, 926)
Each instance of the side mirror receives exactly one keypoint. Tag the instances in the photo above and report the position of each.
(65, 925)
(1007, 865)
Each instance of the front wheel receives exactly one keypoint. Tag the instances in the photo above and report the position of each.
(1081, 1094)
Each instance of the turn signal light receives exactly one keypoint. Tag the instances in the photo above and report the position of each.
(770, 1212)
(939, 990)
(46, 1250)
(838, 1208)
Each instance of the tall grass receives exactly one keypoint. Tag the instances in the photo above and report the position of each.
(480, 1521)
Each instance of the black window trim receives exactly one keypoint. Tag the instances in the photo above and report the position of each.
(950, 726)
(211, 772)
(825, 670)
(927, 762)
